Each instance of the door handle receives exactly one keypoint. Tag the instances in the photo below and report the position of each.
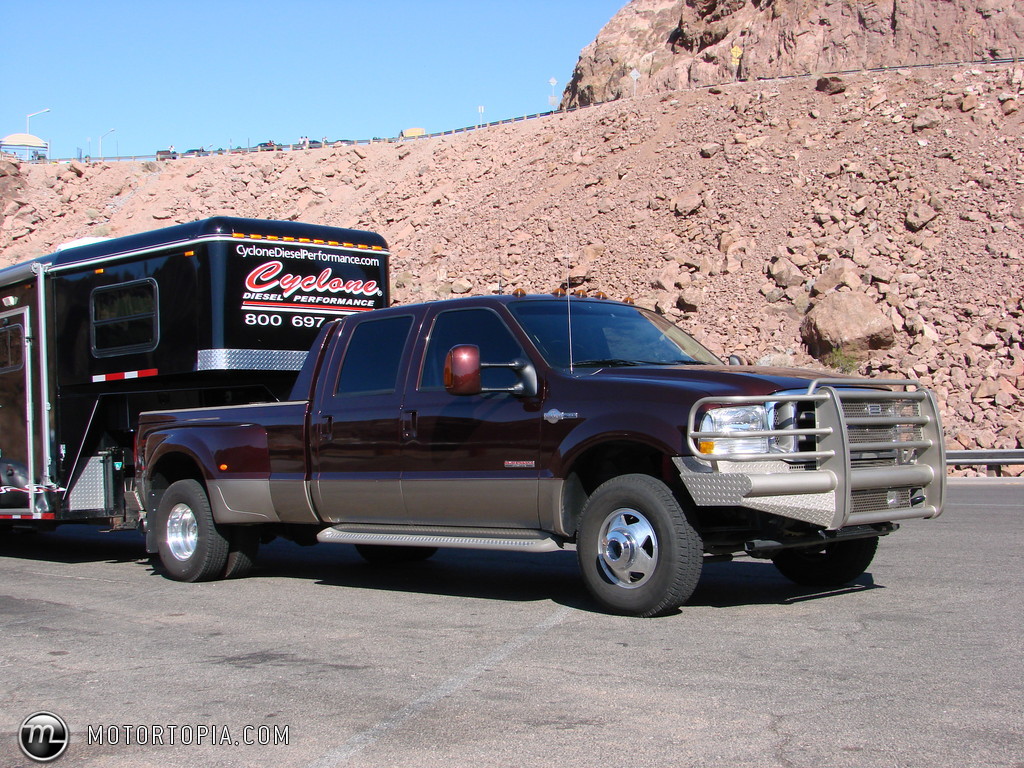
(408, 425)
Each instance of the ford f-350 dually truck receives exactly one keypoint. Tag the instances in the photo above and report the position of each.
(539, 423)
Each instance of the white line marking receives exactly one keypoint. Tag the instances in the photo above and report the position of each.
(374, 733)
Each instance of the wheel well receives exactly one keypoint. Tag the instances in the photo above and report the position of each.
(622, 457)
(170, 469)
(605, 461)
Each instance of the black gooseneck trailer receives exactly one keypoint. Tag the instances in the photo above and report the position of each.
(213, 312)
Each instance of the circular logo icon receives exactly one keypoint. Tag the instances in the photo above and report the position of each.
(43, 737)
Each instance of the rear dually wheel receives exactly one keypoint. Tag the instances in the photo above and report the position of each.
(191, 545)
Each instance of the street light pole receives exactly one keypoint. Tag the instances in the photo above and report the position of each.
(101, 141)
(29, 117)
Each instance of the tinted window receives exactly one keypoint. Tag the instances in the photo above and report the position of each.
(12, 348)
(606, 334)
(124, 318)
(471, 326)
(373, 356)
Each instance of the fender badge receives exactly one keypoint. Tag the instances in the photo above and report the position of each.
(554, 416)
(520, 464)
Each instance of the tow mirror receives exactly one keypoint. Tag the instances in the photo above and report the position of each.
(736, 360)
(462, 370)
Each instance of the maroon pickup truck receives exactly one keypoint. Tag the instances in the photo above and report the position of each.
(540, 423)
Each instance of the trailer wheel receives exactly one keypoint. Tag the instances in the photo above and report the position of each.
(384, 554)
(243, 543)
(191, 546)
(638, 553)
(830, 565)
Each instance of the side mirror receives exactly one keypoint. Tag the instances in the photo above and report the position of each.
(736, 360)
(462, 370)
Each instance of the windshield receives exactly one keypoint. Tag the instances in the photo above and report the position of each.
(606, 334)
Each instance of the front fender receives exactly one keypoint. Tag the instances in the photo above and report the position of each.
(663, 435)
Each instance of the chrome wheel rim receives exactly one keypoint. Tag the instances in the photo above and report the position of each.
(182, 532)
(627, 549)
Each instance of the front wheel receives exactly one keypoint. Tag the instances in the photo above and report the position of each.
(638, 553)
(830, 565)
(191, 546)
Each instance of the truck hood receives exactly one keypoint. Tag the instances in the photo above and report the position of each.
(720, 379)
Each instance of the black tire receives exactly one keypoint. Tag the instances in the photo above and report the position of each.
(243, 544)
(191, 545)
(385, 554)
(830, 565)
(638, 553)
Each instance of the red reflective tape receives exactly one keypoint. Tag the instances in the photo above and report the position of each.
(125, 375)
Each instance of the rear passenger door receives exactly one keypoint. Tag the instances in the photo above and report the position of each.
(354, 429)
(469, 460)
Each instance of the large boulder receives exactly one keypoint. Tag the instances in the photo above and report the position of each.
(850, 322)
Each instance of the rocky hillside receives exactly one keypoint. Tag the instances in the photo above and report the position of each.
(673, 44)
(755, 214)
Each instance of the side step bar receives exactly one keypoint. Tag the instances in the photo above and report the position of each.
(507, 539)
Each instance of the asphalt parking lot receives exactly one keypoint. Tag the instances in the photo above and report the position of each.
(495, 659)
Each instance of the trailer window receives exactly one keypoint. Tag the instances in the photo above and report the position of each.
(124, 318)
(12, 348)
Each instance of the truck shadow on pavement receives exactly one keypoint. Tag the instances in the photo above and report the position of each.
(522, 577)
(74, 544)
(499, 576)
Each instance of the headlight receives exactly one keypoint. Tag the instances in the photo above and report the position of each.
(734, 422)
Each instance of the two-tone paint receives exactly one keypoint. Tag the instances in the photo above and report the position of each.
(446, 468)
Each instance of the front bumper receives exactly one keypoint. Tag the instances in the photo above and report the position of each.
(871, 456)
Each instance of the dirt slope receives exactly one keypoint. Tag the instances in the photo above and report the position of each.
(735, 210)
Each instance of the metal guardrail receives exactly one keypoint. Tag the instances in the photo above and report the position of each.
(992, 460)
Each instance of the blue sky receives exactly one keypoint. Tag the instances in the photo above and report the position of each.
(222, 73)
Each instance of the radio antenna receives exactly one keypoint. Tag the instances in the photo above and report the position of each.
(568, 305)
(497, 242)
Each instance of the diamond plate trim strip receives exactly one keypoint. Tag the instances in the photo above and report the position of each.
(250, 359)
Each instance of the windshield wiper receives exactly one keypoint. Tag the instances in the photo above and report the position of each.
(618, 361)
(673, 362)
(611, 361)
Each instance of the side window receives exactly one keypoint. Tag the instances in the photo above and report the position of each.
(481, 327)
(124, 318)
(373, 356)
(12, 347)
